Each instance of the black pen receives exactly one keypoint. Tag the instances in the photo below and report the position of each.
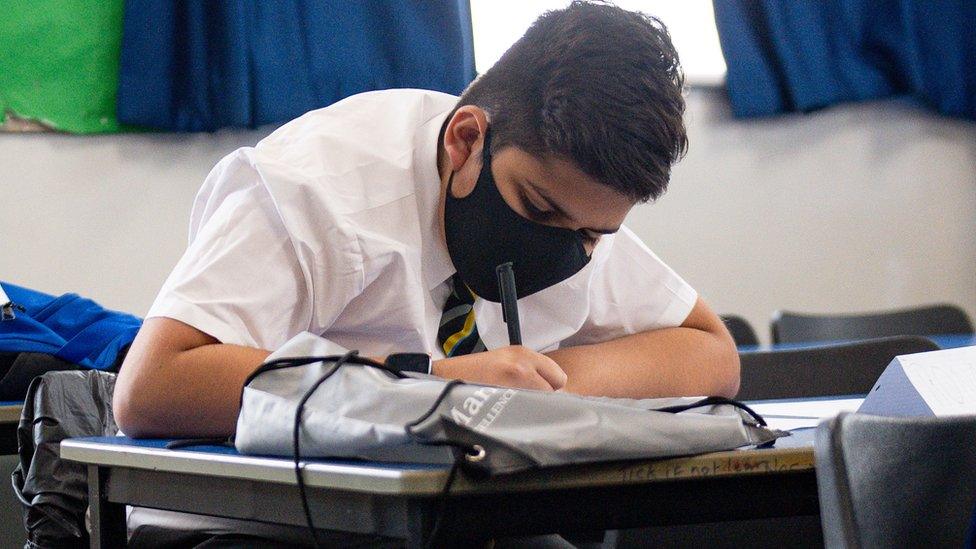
(506, 289)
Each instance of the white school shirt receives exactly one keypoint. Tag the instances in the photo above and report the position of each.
(330, 226)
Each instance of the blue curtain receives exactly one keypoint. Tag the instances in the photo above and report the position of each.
(801, 55)
(192, 65)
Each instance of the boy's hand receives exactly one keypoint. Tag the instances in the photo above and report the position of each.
(512, 366)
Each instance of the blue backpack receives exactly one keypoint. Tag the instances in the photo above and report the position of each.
(68, 331)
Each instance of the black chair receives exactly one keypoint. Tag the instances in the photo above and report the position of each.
(789, 327)
(741, 330)
(842, 369)
(896, 482)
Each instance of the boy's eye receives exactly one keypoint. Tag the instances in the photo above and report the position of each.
(535, 212)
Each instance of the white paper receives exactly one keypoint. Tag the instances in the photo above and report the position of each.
(945, 379)
(787, 415)
(3, 297)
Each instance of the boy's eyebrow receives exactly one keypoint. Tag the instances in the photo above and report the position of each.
(558, 209)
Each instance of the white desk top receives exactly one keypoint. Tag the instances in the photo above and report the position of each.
(790, 414)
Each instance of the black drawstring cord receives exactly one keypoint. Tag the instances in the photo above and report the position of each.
(352, 358)
(470, 452)
(349, 358)
(296, 437)
(442, 503)
(290, 362)
(713, 401)
(187, 442)
(276, 364)
(448, 387)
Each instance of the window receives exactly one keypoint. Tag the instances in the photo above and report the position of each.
(499, 23)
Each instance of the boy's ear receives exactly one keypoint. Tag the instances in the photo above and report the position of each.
(465, 135)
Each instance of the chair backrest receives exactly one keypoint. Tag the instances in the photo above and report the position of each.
(741, 330)
(896, 482)
(843, 369)
(789, 327)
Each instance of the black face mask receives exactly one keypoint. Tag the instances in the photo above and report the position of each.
(482, 232)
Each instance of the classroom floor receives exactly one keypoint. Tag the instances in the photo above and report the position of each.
(12, 535)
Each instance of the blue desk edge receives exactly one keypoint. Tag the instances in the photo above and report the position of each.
(160, 444)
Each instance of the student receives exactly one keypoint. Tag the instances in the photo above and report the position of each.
(365, 221)
(351, 222)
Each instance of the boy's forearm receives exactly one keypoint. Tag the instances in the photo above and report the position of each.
(207, 402)
(668, 362)
(163, 391)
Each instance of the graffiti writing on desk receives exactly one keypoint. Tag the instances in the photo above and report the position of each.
(712, 467)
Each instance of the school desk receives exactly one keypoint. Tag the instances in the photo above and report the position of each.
(402, 500)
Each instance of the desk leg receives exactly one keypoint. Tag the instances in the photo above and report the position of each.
(422, 517)
(107, 518)
(419, 518)
(8, 439)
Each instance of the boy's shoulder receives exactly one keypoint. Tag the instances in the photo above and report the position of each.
(342, 172)
(371, 124)
(355, 154)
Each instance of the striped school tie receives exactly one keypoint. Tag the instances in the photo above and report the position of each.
(458, 333)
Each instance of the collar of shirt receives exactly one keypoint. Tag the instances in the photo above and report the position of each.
(437, 265)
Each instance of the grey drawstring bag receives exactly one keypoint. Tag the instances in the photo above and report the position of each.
(351, 407)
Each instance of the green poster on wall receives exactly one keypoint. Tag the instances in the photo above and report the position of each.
(59, 62)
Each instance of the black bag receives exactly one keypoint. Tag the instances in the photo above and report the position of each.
(18, 369)
(59, 405)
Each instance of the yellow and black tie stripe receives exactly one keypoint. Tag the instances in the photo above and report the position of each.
(458, 332)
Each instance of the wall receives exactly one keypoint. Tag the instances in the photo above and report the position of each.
(103, 216)
(855, 208)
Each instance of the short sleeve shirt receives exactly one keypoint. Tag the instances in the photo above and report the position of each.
(330, 225)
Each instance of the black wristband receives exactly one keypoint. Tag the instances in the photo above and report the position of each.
(409, 362)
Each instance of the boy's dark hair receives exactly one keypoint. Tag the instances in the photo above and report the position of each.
(595, 84)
